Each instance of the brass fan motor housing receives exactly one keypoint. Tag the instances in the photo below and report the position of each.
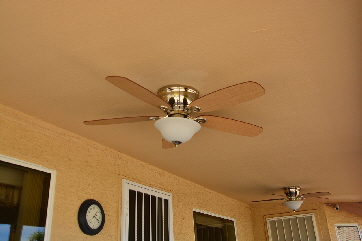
(293, 193)
(179, 97)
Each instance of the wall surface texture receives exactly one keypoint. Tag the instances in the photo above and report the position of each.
(340, 217)
(85, 169)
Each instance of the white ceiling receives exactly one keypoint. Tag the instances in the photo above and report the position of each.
(306, 54)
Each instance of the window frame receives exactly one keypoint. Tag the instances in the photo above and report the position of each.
(348, 225)
(289, 216)
(218, 216)
(49, 218)
(129, 185)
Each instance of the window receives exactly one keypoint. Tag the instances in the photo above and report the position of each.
(348, 232)
(26, 197)
(297, 227)
(146, 213)
(211, 227)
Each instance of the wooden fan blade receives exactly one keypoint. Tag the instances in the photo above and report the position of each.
(278, 195)
(166, 144)
(269, 200)
(316, 194)
(231, 126)
(317, 199)
(137, 91)
(229, 96)
(119, 120)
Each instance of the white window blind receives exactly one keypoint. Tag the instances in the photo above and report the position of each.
(292, 228)
(146, 213)
(348, 232)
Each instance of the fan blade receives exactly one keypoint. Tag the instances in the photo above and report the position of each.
(231, 126)
(137, 91)
(229, 96)
(317, 199)
(268, 200)
(166, 144)
(119, 120)
(316, 194)
(278, 195)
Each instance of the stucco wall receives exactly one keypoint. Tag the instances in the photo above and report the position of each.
(325, 216)
(262, 211)
(339, 217)
(86, 170)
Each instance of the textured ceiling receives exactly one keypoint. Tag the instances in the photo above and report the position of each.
(306, 54)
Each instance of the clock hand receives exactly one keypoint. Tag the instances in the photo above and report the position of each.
(95, 216)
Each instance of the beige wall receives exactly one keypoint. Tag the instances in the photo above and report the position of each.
(86, 170)
(338, 217)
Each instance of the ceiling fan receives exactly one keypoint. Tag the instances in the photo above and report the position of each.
(293, 199)
(180, 102)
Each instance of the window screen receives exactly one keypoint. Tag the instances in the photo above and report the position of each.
(146, 213)
(297, 227)
(348, 232)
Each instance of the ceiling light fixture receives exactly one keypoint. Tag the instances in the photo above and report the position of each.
(293, 205)
(293, 198)
(180, 102)
(177, 130)
(178, 127)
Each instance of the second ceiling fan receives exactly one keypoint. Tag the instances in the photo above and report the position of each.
(293, 198)
(181, 102)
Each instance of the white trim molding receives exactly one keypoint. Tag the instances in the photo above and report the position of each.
(129, 185)
(218, 216)
(291, 229)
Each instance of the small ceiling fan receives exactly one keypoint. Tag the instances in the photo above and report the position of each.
(293, 199)
(180, 102)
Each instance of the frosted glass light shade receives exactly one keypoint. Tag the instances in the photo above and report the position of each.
(293, 205)
(177, 128)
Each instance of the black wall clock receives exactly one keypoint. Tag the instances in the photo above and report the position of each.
(91, 217)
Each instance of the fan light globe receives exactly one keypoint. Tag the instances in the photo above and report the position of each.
(177, 129)
(293, 205)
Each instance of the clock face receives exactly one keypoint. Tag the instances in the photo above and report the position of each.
(91, 217)
(94, 216)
